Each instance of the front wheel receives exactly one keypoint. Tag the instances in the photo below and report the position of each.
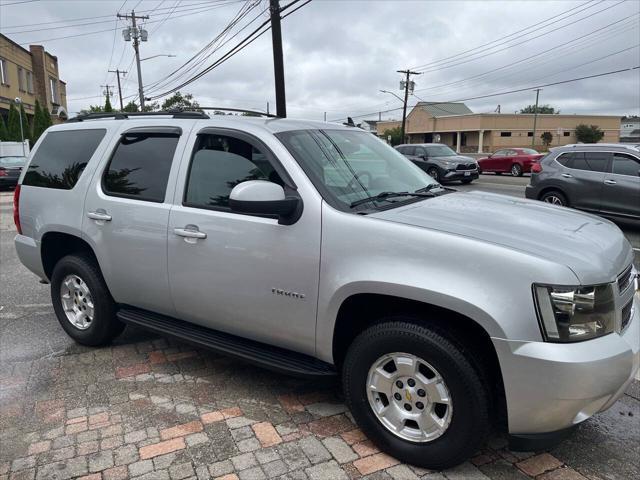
(415, 394)
(516, 170)
(82, 301)
(555, 198)
(433, 173)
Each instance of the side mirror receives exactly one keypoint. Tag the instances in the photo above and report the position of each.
(260, 197)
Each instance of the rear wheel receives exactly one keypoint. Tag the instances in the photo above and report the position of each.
(554, 197)
(415, 394)
(82, 302)
(516, 170)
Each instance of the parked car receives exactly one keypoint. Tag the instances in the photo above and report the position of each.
(603, 179)
(10, 168)
(316, 249)
(441, 162)
(510, 160)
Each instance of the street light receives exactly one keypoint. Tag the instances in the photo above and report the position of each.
(391, 93)
(18, 101)
(159, 55)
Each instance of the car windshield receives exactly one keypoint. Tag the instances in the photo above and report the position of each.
(529, 151)
(351, 165)
(13, 161)
(440, 151)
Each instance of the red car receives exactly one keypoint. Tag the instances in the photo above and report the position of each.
(513, 160)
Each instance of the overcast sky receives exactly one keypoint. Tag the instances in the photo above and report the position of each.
(339, 54)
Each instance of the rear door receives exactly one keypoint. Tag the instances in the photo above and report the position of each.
(583, 178)
(127, 212)
(621, 189)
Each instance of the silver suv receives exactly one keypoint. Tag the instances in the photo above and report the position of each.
(315, 249)
(599, 178)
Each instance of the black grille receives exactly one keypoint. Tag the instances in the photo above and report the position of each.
(466, 166)
(625, 279)
(626, 315)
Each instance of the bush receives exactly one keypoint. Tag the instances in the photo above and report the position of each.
(588, 133)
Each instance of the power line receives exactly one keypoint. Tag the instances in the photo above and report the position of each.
(613, 72)
(19, 3)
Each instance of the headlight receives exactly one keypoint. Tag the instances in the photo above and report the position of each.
(573, 314)
(449, 164)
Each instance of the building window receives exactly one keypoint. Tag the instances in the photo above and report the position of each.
(54, 90)
(529, 134)
(29, 82)
(22, 80)
(4, 79)
(567, 134)
(505, 134)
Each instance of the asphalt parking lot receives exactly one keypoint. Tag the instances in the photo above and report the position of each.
(151, 408)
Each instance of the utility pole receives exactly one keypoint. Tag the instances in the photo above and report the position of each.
(408, 85)
(535, 118)
(118, 72)
(278, 62)
(106, 92)
(138, 35)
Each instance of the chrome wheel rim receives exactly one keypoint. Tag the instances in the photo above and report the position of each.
(433, 173)
(409, 397)
(77, 302)
(552, 199)
(515, 170)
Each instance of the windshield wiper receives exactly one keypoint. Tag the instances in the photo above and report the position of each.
(386, 195)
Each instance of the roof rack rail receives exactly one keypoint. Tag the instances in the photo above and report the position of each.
(126, 115)
(241, 110)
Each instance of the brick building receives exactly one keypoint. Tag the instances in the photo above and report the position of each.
(31, 74)
(457, 126)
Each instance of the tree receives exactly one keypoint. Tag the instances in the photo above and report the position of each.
(13, 124)
(39, 122)
(180, 102)
(588, 133)
(541, 109)
(107, 105)
(130, 107)
(4, 133)
(396, 135)
(547, 138)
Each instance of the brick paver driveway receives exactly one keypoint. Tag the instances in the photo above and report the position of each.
(151, 408)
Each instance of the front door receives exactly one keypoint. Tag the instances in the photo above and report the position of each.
(241, 274)
(621, 189)
(126, 216)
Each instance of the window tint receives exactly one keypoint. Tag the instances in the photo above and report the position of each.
(593, 161)
(420, 151)
(62, 157)
(409, 150)
(139, 167)
(566, 159)
(625, 165)
(219, 163)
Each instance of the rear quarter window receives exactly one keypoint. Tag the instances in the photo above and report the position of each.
(62, 157)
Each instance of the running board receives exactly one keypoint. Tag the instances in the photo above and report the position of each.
(267, 356)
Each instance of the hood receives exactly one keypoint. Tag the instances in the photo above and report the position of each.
(454, 158)
(593, 248)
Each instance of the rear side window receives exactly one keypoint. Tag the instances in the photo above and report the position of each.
(62, 157)
(593, 161)
(625, 165)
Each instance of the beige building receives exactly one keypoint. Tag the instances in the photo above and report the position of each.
(457, 126)
(31, 74)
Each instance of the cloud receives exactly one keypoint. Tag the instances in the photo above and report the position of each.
(339, 54)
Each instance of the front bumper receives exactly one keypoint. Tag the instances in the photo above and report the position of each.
(552, 386)
(453, 175)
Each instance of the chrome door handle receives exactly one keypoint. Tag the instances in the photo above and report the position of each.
(189, 232)
(567, 175)
(97, 215)
(610, 182)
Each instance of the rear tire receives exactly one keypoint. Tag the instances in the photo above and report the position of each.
(82, 301)
(465, 418)
(516, 170)
(554, 197)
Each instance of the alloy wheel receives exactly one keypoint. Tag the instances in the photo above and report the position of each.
(409, 397)
(553, 199)
(77, 302)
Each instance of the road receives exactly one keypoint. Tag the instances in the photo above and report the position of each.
(149, 408)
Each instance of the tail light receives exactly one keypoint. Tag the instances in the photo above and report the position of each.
(536, 167)
(16, 208)
(3, 172)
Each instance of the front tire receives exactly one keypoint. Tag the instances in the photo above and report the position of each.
(516, 170)
(555, 197)
(415, 394)
(434, 173)
(82, 302)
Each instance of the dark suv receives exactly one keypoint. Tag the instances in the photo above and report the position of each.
(600, 178)
(441, 162)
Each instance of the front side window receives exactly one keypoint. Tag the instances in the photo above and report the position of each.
(529, 151)
(62, 157)
(349, 165)
(218, 164)
(500, 153)
(440, 151)
(625, 165)
(140, 165)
